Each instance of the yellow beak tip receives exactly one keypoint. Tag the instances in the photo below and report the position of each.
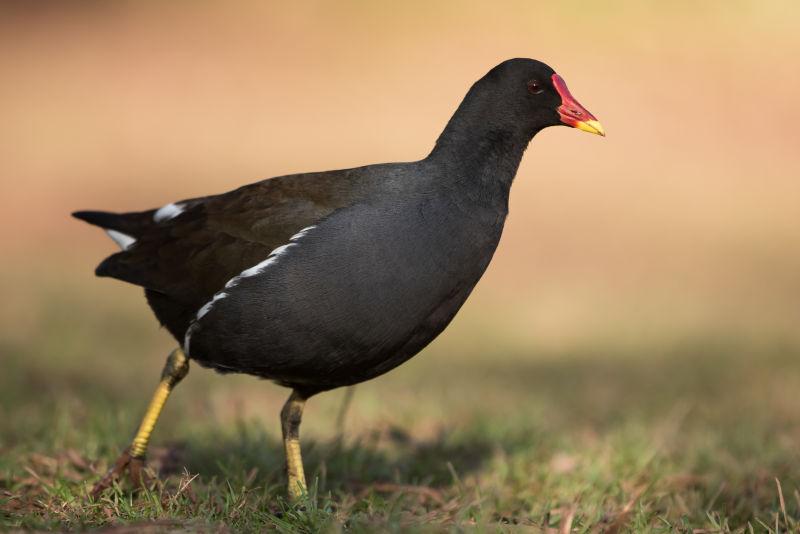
(592, 127)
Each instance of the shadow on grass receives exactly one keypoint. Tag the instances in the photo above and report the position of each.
(388, 455)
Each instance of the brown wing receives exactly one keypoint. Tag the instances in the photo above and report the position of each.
(184, 259)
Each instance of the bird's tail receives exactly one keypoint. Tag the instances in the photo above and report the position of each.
(123, 228)
(106, 220)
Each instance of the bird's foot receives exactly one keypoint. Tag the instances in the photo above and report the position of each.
(126, 462)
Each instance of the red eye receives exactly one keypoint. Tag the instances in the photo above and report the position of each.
(535, 88)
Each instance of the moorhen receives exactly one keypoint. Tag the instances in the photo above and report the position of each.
(327, 279)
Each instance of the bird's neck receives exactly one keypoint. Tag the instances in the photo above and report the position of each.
(478, 150)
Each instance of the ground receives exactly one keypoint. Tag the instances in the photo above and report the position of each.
(697, 434)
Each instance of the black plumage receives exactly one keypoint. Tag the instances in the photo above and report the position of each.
(326, 279)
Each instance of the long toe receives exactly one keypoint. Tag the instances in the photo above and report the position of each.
(133, 465)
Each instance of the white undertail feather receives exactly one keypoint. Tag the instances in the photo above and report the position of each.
(256, 269)
(170, 211)
(124, 241)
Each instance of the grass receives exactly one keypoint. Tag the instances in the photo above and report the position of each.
(687, 433)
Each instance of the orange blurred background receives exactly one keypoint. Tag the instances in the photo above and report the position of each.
(685, 218)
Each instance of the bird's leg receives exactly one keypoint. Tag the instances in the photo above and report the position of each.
(132, 458)
(291, 415)
(340, 418)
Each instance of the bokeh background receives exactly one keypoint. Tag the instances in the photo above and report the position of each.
(655, 268)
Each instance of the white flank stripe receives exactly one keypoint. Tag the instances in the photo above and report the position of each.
(170, 211)
(124, 241)
(187, 337)
(207, 306)
(298, 235)
(256, 269)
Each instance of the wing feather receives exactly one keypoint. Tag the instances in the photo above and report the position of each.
(184, 258)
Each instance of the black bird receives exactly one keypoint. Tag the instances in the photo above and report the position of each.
(327, 279)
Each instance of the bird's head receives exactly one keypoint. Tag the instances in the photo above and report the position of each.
(531, 95)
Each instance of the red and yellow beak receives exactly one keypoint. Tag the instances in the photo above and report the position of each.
(572, 113)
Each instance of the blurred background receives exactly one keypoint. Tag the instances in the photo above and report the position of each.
(662, 262)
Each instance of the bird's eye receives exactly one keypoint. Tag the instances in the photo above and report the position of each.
(535, 88)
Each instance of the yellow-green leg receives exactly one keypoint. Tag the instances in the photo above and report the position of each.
(132, 458)
(291, 415)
